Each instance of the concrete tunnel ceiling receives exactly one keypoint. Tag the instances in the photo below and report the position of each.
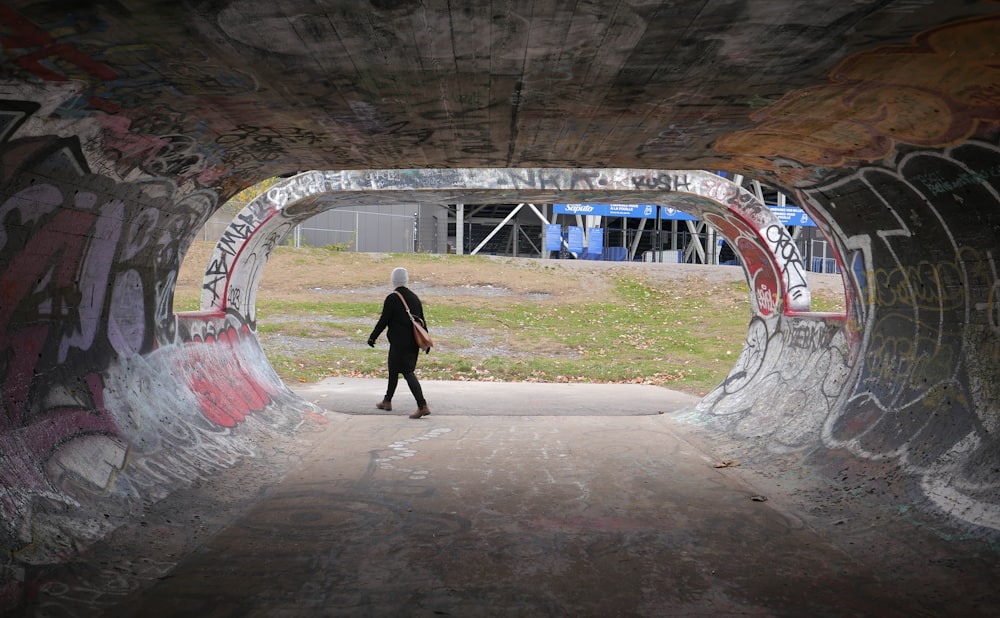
(123, 127)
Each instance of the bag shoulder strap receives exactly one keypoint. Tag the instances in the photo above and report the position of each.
(405, 306)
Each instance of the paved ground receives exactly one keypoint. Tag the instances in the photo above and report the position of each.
(512, 500)
(359, 395)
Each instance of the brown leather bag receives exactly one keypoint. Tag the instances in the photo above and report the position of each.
(420, 334)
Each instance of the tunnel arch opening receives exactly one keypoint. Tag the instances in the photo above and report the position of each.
(774, 270)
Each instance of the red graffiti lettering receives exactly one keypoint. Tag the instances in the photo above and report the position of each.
(22, 34)
(226, 391)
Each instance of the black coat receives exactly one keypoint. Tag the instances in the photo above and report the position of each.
(394, 318)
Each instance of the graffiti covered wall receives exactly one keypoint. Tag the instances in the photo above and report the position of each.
(109, 400)
(909, 374)
(122, 130)
(909, 199)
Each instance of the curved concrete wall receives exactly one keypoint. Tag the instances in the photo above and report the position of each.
(121, 131)
(110, 400)
(774, 267)
(910, 379)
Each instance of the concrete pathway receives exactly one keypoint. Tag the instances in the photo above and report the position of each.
(488, 508)
(448, 398)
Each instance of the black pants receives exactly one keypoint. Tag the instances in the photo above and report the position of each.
(404, 362)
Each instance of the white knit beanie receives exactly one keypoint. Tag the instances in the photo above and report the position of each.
(400, 277)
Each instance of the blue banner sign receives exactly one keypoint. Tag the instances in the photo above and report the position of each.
(632, 211)
(788, 215)
(672, 214)
(595, 240)
(578, 209)
(575, 239)
(792, 215)
(553, 237)
(635, 211)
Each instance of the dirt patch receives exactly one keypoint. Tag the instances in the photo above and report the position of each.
(302, 274)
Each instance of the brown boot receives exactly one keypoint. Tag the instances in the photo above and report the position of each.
(385, 404)
(423, 411)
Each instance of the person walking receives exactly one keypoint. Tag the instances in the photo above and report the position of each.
(403, 350)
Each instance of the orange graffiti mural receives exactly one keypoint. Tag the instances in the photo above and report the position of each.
(936, 92)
